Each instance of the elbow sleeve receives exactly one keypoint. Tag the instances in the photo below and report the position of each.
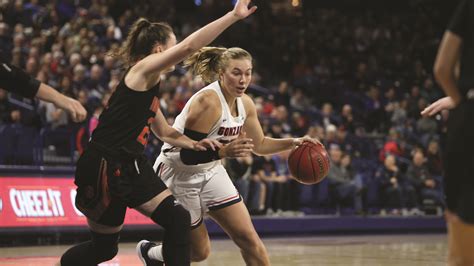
(18, 81)
(192, 157)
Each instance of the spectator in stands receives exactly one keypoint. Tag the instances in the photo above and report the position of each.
(265, 168)
(280, 116)
(426, 186)
(427, 128)
(290, 197)
(413, 100)
(327, 115)
(55, 117)
(429, 91)
(330, 135)
(391, 146)
(5, 108)
(390, 178)
(342, 183)
(374, 108)
(399, 113)
(299, 101)
(94, 83)
(240, 170)
(344, 140)
(299, 125)
(282, 96)
(257, 192)
(434, 161)
(347, 118)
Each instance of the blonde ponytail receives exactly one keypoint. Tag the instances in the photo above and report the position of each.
(205, 63)
(208, 62)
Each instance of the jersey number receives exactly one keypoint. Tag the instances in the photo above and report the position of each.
(143, 137)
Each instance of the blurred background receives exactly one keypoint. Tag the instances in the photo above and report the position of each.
(353, 73)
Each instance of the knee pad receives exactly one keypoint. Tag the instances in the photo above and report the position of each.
(173, 217)
(106, 245)
(170, 215)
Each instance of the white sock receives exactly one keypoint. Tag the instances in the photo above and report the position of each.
(156, 253)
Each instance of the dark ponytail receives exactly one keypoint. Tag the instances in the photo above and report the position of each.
(143, 35)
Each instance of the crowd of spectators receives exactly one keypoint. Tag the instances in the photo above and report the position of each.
(355, 80)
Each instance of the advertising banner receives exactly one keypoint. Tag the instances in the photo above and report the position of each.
(43, 201)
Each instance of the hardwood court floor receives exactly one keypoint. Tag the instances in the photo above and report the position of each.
(387, 250)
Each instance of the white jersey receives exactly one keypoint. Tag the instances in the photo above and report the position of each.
(226, 129)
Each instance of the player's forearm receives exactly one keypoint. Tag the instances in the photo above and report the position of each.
(48, 94)
(208, 33)
(179, 140)
(272, 145)
(173, 137)
(446, 79)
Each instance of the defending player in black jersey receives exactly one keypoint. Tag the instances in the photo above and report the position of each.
(113, 174)
(458, 45)
(16, 80)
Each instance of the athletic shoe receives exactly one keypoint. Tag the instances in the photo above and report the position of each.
(142, 251)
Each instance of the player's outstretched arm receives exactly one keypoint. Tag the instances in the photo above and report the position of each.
(158, 62)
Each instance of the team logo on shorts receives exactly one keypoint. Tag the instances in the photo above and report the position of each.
(1, 204)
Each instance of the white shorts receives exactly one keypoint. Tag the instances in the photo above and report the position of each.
(198, 190)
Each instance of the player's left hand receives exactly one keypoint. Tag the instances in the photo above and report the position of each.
(445, 103)
(205, 144)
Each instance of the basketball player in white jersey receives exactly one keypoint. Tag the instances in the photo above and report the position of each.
(220, 111)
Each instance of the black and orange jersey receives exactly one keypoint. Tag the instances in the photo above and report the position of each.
(125, 123)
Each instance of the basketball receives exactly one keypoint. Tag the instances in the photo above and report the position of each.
(309, 163)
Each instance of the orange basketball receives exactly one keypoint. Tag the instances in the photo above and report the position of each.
(309, 163)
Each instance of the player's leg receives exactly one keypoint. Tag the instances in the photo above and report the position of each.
(460, 237)
(236, 222)
(105, 214)
(200, 243)
(103, 246)
(226, 207)
(460, 221)
(164, 210)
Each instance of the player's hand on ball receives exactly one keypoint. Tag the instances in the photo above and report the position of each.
(299, 141)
